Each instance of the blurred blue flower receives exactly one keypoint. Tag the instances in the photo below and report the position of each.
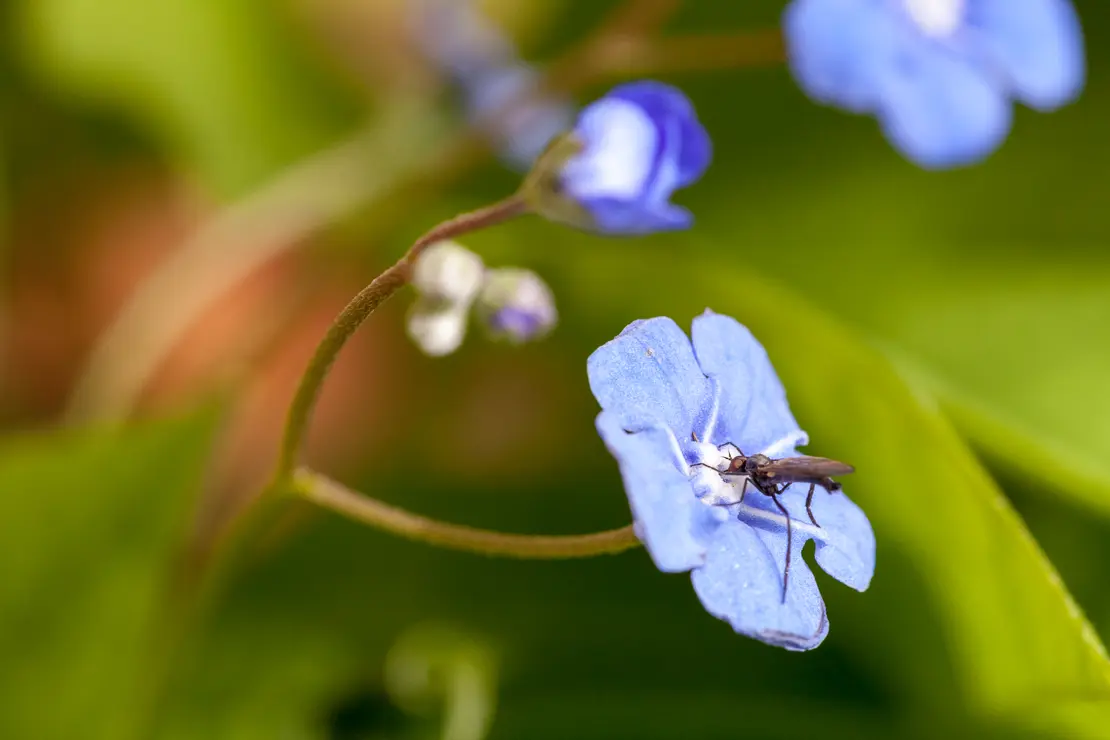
(633, 149)
(667, 406)
(501, 94)
(938, 74)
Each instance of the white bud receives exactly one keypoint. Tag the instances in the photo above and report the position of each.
(517, 305)
(448, 274)
(437, 331)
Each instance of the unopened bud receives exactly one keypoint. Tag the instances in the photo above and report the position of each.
(517, 305)
(448, 275)
(437, 331)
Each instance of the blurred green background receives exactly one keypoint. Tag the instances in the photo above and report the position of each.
(945, 332)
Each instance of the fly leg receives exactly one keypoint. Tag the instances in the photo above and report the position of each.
(743, 490)
(809, 502)
(789, 542)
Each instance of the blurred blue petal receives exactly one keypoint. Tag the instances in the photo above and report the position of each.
(939, 74)
(1040, 48)
(621, 144)
(693, 148)
(838, 49)
(942, 112)
(613, 216)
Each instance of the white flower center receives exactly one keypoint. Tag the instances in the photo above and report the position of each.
(936, 18)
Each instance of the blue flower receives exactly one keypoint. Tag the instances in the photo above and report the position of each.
(670, 409)
(938, 74)
(627, 154)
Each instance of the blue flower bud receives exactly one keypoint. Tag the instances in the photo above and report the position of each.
(517, 305)
(614, 173)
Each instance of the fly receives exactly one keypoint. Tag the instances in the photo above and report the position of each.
(772, 476)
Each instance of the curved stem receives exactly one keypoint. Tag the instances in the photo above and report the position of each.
(694, 52)
(334, 496)
(360, 308)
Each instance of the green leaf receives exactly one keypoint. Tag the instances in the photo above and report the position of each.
(225, 84)
(1075, 719)
(90, 523)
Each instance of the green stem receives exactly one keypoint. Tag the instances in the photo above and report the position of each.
(334, 496)
(360, 308)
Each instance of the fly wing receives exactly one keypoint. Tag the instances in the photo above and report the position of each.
(804, 466)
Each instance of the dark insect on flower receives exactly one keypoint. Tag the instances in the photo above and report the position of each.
(669, 402)
(772, 476)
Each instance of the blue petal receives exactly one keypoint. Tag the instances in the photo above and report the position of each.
(672, 113)
(623, 218)
(753, 412)
(843, 535)
(940, 110)
(1036, 44)
(647, 376)
(741, 582)
(839, 49)
(668, 519)
(695, 152)
(848, 551)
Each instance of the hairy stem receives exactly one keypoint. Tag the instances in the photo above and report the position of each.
(338, 498)
(360, 308)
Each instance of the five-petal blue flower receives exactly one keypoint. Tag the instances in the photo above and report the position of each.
(667, 406)
(638, 144)
(938, 74)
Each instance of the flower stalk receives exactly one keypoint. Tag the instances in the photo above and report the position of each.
(360, 308)
(329, 494)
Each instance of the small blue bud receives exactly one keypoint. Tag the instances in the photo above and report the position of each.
(615, 172)
(517, 305)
